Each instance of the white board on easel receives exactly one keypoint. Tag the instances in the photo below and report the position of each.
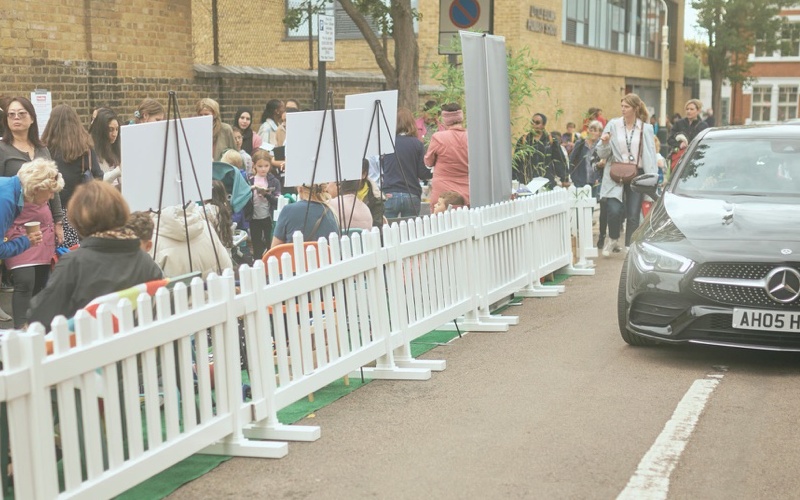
(304, 140)
(142, 148)
(388, 99)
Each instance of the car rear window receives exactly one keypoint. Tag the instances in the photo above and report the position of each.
(761, 166)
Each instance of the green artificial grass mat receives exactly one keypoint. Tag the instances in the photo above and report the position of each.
(164, 483)
(430, 340)
(322, 398)
(557, 279)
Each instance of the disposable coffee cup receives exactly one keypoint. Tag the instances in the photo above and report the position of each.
(31, 227)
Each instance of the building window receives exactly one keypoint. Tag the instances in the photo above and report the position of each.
(761, 103)
(578, 22)
(628, 26)
(345, 27)
(790, 40)
(787, 103)
(788, 46)
(725, 102)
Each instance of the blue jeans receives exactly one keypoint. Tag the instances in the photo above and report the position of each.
(631, 210)
(401, 205)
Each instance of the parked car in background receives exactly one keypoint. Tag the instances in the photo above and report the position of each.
(718, 259)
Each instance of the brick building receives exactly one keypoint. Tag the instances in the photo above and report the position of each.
(98, 53)
(591, 51)
(772, 96)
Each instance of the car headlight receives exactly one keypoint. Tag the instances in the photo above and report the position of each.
(651, 258)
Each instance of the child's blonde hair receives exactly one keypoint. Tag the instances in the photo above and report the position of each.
(233, 157)
(452, 199)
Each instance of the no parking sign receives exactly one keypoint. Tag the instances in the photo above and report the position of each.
(455, 15)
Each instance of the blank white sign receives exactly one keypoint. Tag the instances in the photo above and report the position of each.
(143, 162)
(372, 124)
(303, 141)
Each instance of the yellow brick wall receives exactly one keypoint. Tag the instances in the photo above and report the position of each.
(264, 43)
(577, 77)
(158, 40)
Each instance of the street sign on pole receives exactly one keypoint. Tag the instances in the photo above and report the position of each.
(455, 15)
(327, 38)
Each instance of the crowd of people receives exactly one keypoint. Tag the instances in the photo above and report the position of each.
(588, 158)
(60, 191)
(66, 223)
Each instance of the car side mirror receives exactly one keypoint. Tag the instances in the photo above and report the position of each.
(646, 184)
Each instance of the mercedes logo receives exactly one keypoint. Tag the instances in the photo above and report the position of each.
(783, 284)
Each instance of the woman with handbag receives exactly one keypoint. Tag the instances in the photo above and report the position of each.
(628, 146)
(71, 148)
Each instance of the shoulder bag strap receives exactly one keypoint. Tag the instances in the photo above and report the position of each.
(641, 145)
(319, 221)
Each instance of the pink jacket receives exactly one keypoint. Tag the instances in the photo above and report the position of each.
(449, 156)
(40, 254)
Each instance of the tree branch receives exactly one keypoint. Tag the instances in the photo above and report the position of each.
(372, 40)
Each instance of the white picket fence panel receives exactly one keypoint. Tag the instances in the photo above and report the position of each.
(350, 302)
(582, 209)
(110, 387)
(429, 280)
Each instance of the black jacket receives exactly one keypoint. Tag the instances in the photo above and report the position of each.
(545, 159)
(100, 266)
(688, 130)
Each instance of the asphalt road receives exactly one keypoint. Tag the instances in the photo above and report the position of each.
(558, 407)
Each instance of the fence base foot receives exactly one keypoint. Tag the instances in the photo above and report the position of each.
(540, 291)
(246, 448)
(481, 324)
(283, 432)
(434, 365)
(578, 270)
(394, 373)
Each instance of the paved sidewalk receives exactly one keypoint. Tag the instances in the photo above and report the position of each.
(479, 429)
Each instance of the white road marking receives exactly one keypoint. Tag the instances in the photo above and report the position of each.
(651, 479)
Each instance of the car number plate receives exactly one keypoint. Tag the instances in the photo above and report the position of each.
(759, 319)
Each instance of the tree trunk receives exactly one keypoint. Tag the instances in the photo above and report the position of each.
(716, 96)
(406, 54)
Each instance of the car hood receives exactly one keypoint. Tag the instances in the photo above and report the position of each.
(701, 219)
(694, 228)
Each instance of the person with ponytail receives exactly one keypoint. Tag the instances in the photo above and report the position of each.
(310, 215)
(627, 139)
(148, 111)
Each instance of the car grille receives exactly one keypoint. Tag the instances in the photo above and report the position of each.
(738, 295)
(719, 328)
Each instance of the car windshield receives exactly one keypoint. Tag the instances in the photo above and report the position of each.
(755, 167)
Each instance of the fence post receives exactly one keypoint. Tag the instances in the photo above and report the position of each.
(534, 263)
(388, 367)
(479, 319)
(39, 413)
(582, 204)
(262, 372)
(221, 289)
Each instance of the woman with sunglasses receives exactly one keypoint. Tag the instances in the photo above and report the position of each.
(20, 144)
(538, 155)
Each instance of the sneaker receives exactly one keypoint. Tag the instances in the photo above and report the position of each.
(601, 241)
(608, 247)
(4, 316)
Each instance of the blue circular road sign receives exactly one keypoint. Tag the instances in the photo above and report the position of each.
(464, 13)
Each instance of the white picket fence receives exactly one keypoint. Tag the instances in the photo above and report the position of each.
(121, 407)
